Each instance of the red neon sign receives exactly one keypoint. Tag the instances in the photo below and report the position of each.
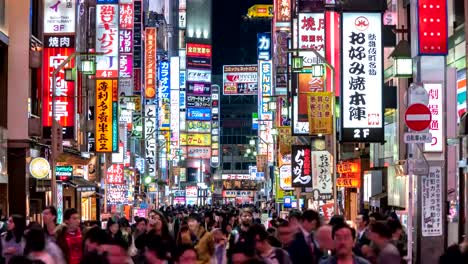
(198, 50)
(65, 91)
(432, 27)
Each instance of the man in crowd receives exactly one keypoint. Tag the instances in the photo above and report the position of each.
(362, 222)
(49, 217)
(343, 238)
(264, 249)
(69, 236)
(303, 248)
(380, 234)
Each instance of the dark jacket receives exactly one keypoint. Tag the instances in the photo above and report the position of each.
(300, 252)
(334, 260)
(361, 241)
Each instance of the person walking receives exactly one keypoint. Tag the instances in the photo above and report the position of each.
(69, 237)
(12, 240)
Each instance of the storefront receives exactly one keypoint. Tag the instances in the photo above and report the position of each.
(238, 197)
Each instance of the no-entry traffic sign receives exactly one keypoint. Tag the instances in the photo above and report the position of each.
(418, 117)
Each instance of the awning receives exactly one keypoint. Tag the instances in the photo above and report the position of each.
(375, 200)
(82, 185)
(72, 159)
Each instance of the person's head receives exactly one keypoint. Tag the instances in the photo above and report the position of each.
(35, 240)
(125, 225)
(285, 233)
(395, 228)
(157, 249)
(93, 238)
(49, 215)
(186, 254)
(343, 237)
(158, 222)
(294, 218)
(242, 253)
(115, 251)
(258, 234)
(310, 220)
(337, 220)
(71, 219)
(194, 222)
(274, 216)
(361, 221)
(271, 231)
(112, 226)
(379, 233)
(246, 217)
(15, 227)
(323, 235)
(218, 236)
(374, 217)
(141, 223)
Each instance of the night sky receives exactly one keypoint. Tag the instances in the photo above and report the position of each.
(231, 45)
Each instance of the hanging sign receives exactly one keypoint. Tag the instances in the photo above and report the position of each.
(301, 166)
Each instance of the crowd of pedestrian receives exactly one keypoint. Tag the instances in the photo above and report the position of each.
(209, 235)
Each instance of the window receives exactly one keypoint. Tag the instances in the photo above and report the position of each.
(238, 166)
(226, 166)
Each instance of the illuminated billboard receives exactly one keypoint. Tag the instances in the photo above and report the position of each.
(107, 41)
(240, 79)
(106, 125)
(59, 16)
(150, 63)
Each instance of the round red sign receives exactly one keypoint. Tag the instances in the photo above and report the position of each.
(418, 117)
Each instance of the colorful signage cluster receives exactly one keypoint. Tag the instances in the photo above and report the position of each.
(107, 40)
(106, 125)
(361, 96)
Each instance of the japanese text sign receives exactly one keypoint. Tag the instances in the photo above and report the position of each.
(432, 27)
(202, 114)
(198, 50)
(198, 126)
(199, 152)
(311, 35)
(240, 79)
(285, 177)
(282, 11)
(150, 62)
(264, 46)
(117, 194)
(53, 41)
(64, 92)
(150, 138)
(431, 203)
(320, 105)
(126, 66)
(164, 95)
(126, 41)
(321, 174)
(115, 174)
(266, 89)
(436, 106)
(107, 40)
(106, 129)
(197, 75)
(59, 16)
(361, 100)
(301, 166)
(126, 16)
(195, 139)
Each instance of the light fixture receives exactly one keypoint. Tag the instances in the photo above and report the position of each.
(248, 151)
(147, 180)
(252, 142)
(69, 74)
(255, 153)
(402, 61)
(262, 127)
(272, 105)
(317, 70)
(319, 135)
(130, 106)
(274, 132)
(246, 155)
(88, 67)
(297, 63)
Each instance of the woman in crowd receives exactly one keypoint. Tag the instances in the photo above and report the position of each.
(13, 240)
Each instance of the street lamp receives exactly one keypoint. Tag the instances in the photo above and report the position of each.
(317, 70)
(297, 63)
(402, 61)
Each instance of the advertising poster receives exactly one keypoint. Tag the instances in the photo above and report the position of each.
(322, 182)
(320, 113)
(432, 203)
(240, 79)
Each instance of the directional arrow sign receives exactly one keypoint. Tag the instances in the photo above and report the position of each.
(418, 117)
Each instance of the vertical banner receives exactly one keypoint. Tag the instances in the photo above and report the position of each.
(362, 78)
(106, 125)
(264, 46)
(431, 203)
(107, 41)
(150, 139)
(322, 182)
(164, 95)
(265, 90)
(59, 202)
(311, 35)
(150, 63)
(126, 48)
(215, 153)
(320, 107)
(436, 106)
(137, 52)
(301, 166)
(175, 106)
(64, 92)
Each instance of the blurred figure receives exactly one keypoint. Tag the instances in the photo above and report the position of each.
(399, 239)
(455, 254)
(157, 250)
(343, 238)
(219, 256)
(242, 253)
(324, 239)
(94, 238)
(115, 252)
(186, 255)
(68, 236)
(303, 249)
(264, 249)
(294, 219)
(113, 230)
(380, 234)
(12, 241)
(35, 247)
(49, 218)
(140, 226)
(285, 234)
(362, 223)
(205, 243)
